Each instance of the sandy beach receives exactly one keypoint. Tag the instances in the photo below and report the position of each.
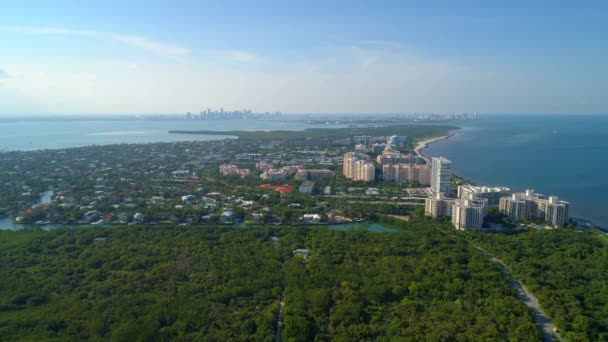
(422, 144)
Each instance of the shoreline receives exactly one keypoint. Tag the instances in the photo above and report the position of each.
(423, 144)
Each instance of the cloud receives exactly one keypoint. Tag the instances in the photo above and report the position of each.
(243, 57)
(158, 48)
(358, 77)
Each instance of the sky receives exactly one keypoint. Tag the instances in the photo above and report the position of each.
(149, 57)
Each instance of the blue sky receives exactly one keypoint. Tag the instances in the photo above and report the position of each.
(303, 57)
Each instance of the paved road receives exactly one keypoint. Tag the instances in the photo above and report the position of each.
(549, 330)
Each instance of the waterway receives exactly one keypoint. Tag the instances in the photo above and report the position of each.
(7, 223)
(36, 135)
(371, 227)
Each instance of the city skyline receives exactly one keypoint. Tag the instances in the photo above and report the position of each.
(69, 57)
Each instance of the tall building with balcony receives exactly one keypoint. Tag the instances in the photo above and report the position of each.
(520, 206)
(553, 210)
(532, 206)
(348, 167)
(406, 173)
(365, 171)
(441, 175)
(469, 213)
(357, 166)
(438, 206)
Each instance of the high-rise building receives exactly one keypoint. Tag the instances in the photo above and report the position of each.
(531, 206)
(441, 175)
(438, 206)
(468, 214)
(406, 173)
(364, 171)
(553, 210)
(357, 166)
(388, 156)
(520, 206)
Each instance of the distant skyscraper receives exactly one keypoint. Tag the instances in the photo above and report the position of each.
(441, 175)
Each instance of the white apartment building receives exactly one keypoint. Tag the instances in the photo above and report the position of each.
(438, 206)
(553, 210)
(529, 205)
(468, 214)
(441, 175)
(493, 194)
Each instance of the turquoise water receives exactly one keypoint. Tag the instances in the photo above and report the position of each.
(565, 155)
(34, 135)
(372, 227)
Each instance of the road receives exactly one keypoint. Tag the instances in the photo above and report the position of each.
(549, 330)
(282, 307)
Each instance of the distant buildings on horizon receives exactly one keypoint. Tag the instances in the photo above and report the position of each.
(221, 114)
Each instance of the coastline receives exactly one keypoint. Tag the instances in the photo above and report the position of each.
(422, 144)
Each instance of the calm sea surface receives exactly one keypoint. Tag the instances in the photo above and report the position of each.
(34, 135)
(553, 154)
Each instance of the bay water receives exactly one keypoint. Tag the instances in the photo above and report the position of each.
(563, 155)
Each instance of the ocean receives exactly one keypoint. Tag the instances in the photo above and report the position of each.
(35, 135)
(563, 155)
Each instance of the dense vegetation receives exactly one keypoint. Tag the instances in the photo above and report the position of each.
(567, 270)
(418, 284)
(412, 131)
(141, 283)
(217, 284)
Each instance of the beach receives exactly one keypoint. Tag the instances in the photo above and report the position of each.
(422, 144)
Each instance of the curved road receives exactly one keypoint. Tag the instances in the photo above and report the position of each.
(549, 330)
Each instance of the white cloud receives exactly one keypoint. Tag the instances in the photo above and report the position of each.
(364, 78)
(243, 57)
(158, 48)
